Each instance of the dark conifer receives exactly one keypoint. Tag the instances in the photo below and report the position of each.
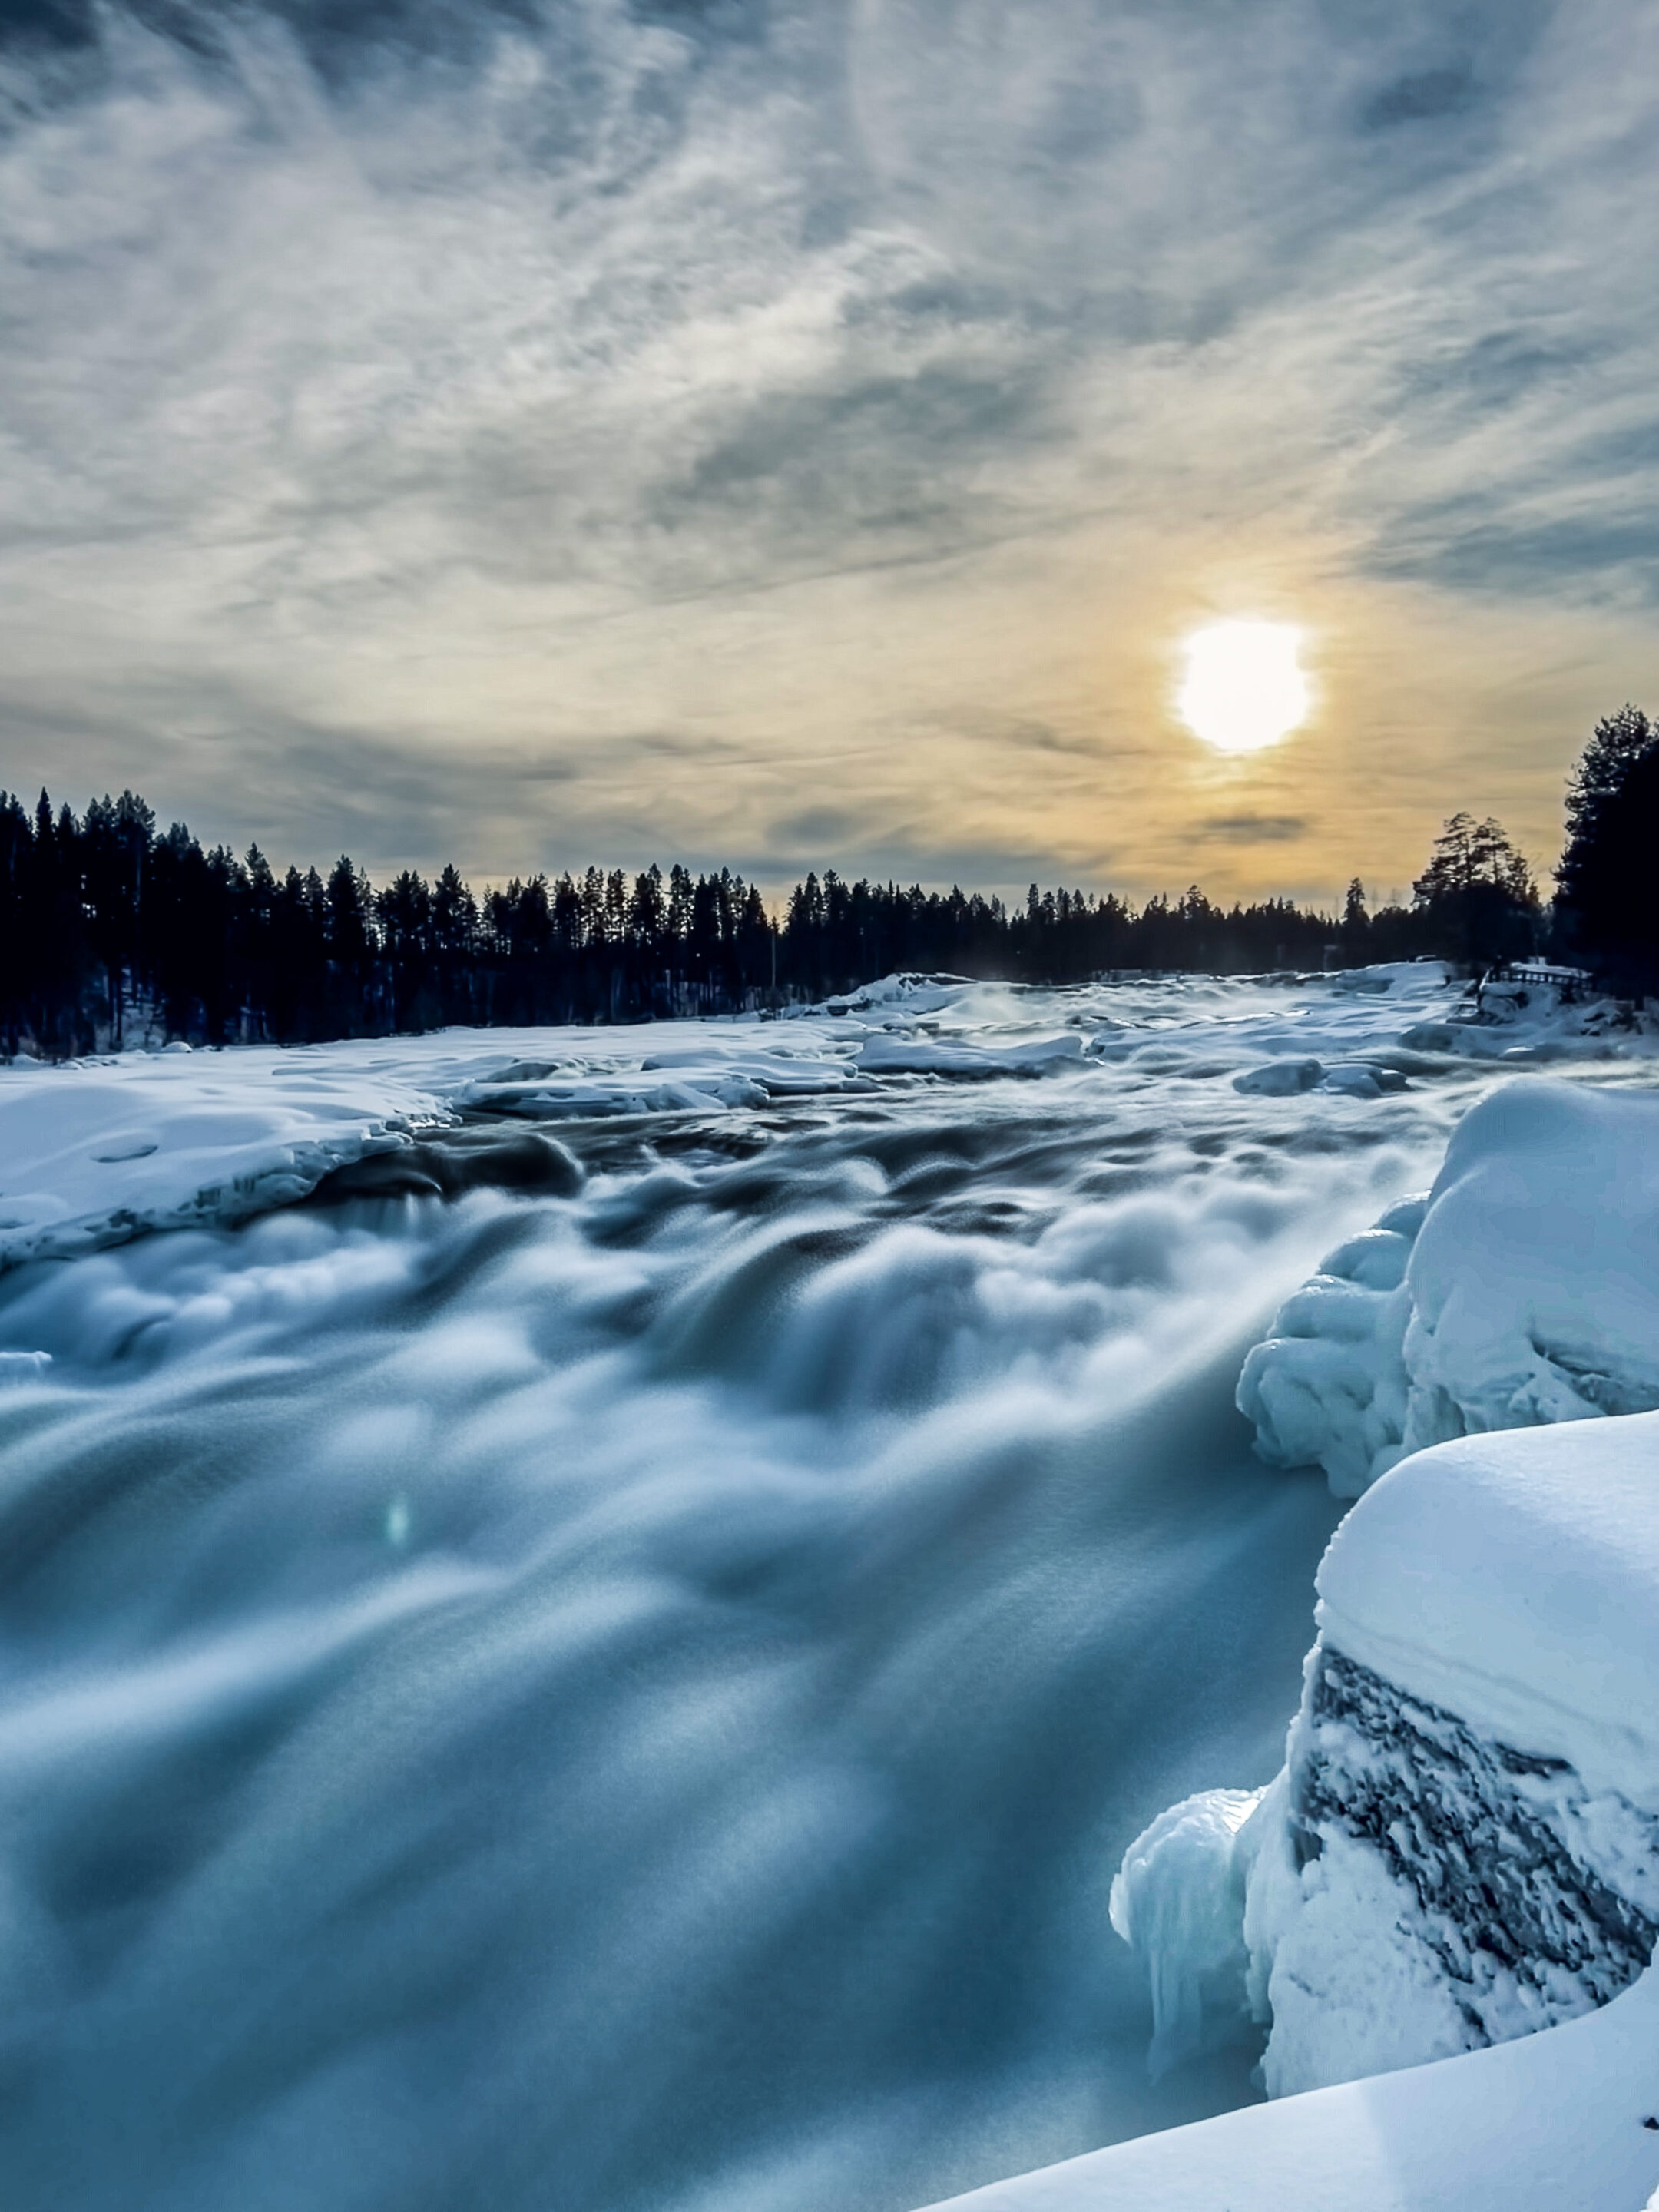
(111, 933)
(1606, 911)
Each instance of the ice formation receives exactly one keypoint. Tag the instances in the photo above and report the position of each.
(1523, 1289)
(1178, 1901)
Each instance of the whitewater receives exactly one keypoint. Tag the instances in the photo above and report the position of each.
(588, 1615)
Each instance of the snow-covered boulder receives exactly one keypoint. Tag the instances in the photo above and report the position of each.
(1358, 1078)
(1280, 1078)
(1399, 976)
(925, 1055)
(1463, 1846)
(1524, 1290)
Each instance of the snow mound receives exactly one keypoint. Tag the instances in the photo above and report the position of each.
(1515, 1580)
(1396, 977)
(1557, 2120)
(1280, 1078)
(1353, 1079)
(914, 994)
(1525, 1290)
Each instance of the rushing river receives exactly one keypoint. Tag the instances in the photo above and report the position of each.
(634, 1698)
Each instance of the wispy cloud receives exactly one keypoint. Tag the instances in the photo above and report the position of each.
(1253, 829)
(402, 414)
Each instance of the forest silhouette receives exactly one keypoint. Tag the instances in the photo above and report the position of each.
(114, 933)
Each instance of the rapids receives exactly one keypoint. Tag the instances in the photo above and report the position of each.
(629, 1692)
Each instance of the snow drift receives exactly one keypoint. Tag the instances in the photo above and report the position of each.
(1553, 2121)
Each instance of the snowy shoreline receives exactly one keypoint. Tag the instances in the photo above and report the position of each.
(1558, 2120)
(99, 1151)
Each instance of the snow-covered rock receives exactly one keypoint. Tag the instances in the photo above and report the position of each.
(1463, 1846)
(1525, 1289)
(926, 1055)
(90, 1156)
(1280, 1078)
(1361, 1080)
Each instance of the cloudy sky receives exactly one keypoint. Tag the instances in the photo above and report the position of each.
(788, 433)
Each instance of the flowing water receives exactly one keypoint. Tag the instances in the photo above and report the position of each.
(634, 1698)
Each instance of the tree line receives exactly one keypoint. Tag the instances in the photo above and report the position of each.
(112, 932)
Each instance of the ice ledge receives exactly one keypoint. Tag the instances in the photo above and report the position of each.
(1556, 2120)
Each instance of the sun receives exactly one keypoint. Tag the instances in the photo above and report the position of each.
(1243, 686)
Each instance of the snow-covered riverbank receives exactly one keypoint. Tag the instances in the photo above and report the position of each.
(1463, 1848)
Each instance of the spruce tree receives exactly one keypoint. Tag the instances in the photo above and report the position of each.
(1605, 907)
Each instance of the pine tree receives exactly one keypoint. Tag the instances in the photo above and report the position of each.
(454, 914)
(348, 899)
(1605, 906)
(1476, 898)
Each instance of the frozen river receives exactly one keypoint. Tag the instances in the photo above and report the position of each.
(628, 1690)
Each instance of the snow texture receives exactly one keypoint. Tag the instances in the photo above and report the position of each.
(1524, 1289)
(1515, 1578)
(1555, 2121)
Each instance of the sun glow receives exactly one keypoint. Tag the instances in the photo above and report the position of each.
(1243, 686)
